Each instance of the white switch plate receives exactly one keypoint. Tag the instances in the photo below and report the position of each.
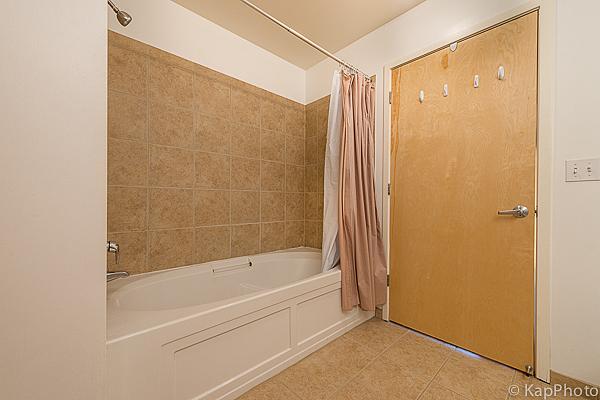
(582, 170)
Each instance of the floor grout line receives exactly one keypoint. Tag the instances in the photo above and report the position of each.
(290, 389)
(375, 358)
(407, 331)
(512, 382)
(337, 389)
(469, 397)
(433, 378)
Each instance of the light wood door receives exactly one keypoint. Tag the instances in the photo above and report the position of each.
(458, 271)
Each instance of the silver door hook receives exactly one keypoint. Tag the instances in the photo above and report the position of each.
(501, 73)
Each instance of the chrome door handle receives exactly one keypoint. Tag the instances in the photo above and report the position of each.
(518, 212)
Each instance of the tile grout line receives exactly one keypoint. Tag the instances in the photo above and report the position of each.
(206, 189)
(285, 224)
(337, 389)
(148, 59)
(194, 149)
(433, 378)
(285, 188)
(205, 72)
(260, 172)
(512, 382)
(187, 227)
(431, 381)
(468, 397)
(304, 189)
(194, 199)
(230, 131)
(375, 358)
(195, 75)
(147, 141)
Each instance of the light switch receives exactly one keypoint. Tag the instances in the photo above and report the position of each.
(582, 170)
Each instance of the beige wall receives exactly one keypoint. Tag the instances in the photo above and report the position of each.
(576, 218)
(168, 26)
(429, 23)
(200, 166)
(52, 208)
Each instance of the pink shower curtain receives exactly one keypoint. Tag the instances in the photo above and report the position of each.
(362, 258)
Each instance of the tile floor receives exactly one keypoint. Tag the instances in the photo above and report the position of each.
(380, 361)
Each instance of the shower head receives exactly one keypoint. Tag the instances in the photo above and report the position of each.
(123, 17)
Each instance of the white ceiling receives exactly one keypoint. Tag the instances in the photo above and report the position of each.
(333, 24)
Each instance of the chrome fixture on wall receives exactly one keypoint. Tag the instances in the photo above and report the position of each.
(111, 276)
(113, 247)
(123, 17)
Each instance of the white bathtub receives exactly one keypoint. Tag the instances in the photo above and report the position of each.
(215, 330)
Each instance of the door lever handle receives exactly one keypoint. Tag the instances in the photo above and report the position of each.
(518, 212)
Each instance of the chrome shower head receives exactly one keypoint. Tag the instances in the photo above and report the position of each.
(123, 17)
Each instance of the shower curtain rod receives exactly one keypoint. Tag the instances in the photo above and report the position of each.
(303, 38)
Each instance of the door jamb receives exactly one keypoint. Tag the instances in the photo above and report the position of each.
(545, 145)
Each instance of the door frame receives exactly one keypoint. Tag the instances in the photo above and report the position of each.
(545, 134)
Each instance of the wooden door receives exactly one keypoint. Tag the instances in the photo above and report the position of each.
(459, 271)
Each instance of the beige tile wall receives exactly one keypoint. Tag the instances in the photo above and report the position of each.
(200, 166)
(315, 141)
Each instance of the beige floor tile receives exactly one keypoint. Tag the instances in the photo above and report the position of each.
(435, 392)
(486, 367)
(376, 334)
(342, 394)
(417, 355)
(475, 377)
(379, 361)
(522, 379)
(309, 378)
(269, 390)
(381, 380)
(346, 355)
(322, 373)
(395, 389)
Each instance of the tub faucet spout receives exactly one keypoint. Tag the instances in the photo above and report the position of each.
(111, 276)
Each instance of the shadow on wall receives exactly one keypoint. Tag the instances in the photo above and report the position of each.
(317, 114)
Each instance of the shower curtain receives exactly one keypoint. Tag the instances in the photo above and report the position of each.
(350, 159)
(331, 251)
